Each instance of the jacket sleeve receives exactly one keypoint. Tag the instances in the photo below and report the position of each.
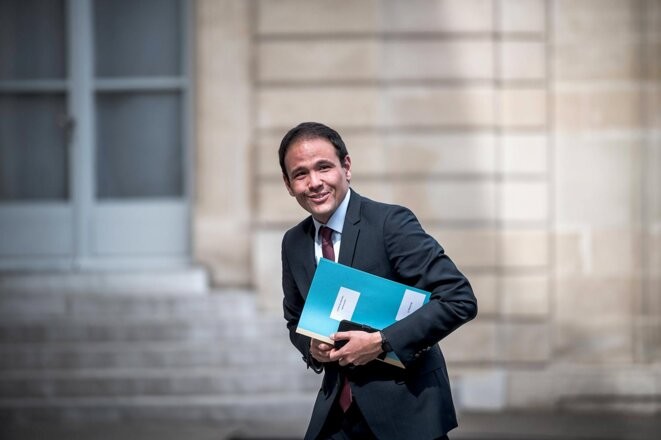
(420, 261)
(292, 305)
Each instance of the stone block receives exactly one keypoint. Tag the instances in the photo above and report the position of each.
(653, 251)
(439, 107)
(485, 390)
(467, 201)
(449, 16)
(524, 201)
(436, 154)
(473, 342)
(524, 154)
(339, 107)
(381, 190)
(625, 262)
(524, 342)
(597, 182)
(593, 298)
(318, 60)
(265, 154)
(523, 108)
(532, 388)
(596, 18)
(223, 244)
(583, 387)
(583, 109)
(610, 381)
(653, 59)
(591, 339)
(522, 60)
(437, 60)
(267, 267)
(571, 251)
(485, 288)
(468, 248)
(648, 327)
(368, 152)
(275, 205)
(652, 183)
(522, 16)
(524, 248)
(653, 101)
(221, 164)
(610, 57)
(525, 296)
(297, 17)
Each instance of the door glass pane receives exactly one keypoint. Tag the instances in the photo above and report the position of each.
(33, 152)
(32, 39)
(139, 148)
(137, 38)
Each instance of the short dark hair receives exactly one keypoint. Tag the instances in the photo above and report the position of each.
(311, 130)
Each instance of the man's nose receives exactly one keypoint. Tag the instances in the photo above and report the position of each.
(314, 180)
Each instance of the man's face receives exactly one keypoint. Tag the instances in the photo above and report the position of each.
(315, 176)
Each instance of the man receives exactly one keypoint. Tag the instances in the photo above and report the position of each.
(359, 397)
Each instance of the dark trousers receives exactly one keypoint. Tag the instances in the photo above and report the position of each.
(350, 425)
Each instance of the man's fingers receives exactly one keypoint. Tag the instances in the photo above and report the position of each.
(340, 336)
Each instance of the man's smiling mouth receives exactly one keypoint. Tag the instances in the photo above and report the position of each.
(317, 198)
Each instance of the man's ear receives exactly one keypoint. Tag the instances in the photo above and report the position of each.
(287, 184)
(347, 166)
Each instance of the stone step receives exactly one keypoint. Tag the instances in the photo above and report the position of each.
(292, 408)
(193, 328)
(274, 351)
(259, 379)
(190, 279)
(231, 305)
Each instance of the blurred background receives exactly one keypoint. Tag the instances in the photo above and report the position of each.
(142, 207)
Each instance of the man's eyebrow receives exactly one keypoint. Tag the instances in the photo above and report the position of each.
(297, 169)
(324, 162)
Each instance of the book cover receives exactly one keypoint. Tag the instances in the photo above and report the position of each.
(340, 292)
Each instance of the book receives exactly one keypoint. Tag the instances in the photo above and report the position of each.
(340, 292)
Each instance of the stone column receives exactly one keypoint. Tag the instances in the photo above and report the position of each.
(222, 215)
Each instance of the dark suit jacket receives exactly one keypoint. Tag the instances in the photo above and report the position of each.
(388, 241)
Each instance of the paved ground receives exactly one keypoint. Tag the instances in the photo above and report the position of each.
(488, 426)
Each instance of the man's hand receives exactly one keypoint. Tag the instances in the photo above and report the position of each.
(320, 350)
(363, 347)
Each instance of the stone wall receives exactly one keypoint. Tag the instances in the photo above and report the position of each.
(523, 133)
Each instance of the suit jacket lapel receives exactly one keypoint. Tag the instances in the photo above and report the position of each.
(307, 257)
(350, 230)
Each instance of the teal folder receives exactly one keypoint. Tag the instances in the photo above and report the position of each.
(340, 292)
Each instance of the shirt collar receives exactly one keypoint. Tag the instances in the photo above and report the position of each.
(336, 221)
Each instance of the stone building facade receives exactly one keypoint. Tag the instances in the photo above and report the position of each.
(525, 134)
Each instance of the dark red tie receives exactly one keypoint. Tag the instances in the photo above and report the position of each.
(328, 252)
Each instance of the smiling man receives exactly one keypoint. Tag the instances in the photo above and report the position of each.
(360, 398)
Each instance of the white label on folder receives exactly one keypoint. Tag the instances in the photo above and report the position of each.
(411, 302)
(345, 304)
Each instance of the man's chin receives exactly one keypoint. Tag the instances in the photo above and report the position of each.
(321, 215)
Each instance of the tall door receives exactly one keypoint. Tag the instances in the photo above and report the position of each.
(94, 133)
